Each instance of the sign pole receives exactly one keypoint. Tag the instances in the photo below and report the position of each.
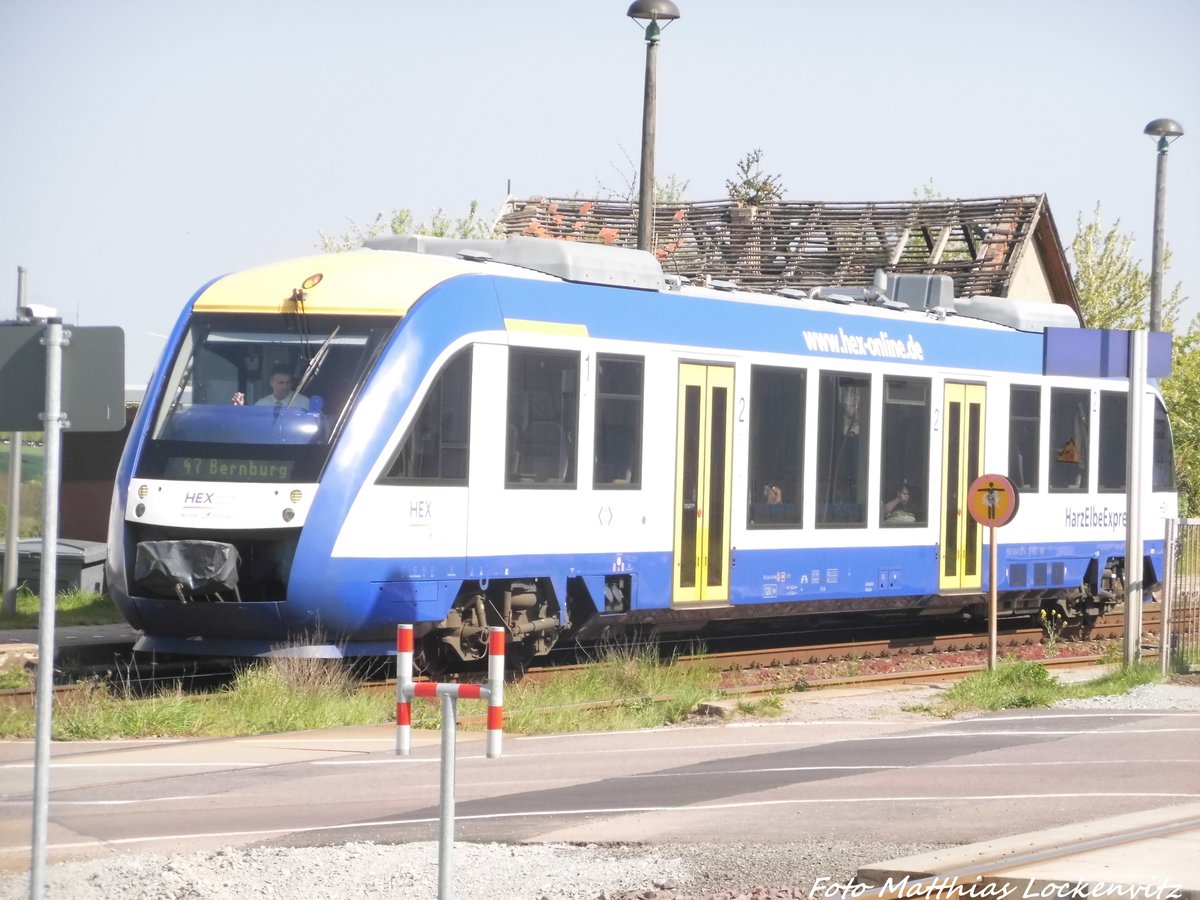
(53, 418)
(1134, 547)
(992, 500)
(993, 600)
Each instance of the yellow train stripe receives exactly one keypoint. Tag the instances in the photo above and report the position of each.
(538, 327)
(355, 283)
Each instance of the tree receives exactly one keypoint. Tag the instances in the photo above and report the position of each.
(1113, 289)
(1114, 292)
(751, 186)
(667, 191)
(401, 222)
(1181, 393)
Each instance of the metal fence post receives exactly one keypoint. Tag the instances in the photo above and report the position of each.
(1171, 552)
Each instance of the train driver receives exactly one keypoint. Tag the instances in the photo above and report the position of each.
(283, 392)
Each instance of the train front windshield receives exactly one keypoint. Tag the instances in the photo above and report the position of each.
(259, 397)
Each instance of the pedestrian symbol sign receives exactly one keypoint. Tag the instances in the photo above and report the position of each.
(992, 500)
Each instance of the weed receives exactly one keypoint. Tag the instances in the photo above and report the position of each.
(14, 678)
(1021, 685)
(1053, 623)
(768, 707)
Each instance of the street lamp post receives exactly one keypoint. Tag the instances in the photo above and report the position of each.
(1166, 130)
(652, 12)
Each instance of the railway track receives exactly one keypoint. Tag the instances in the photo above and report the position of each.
(778, 658)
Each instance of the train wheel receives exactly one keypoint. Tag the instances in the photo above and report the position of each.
(1087, 621)
(430, 658)
(517, 658)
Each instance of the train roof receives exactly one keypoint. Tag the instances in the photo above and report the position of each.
(392, 272)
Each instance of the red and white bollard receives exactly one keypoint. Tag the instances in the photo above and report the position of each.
(493, 692)
(406, 689)
(404, 667)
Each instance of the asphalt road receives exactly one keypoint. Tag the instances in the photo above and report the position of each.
(836, 769)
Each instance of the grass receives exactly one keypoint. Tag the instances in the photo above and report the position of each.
(33, 457)
(16, 677)
(70, 608)
(639, 689)
(280, 695)
(1023, 685)
(31, 503)
(625, 689)
(300, 694)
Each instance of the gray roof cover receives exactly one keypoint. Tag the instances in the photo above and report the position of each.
(1023, 315)
(569, 260)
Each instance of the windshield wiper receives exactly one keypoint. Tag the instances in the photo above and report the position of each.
(314, 364)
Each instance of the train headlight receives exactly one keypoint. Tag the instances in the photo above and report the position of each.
(143, 492)
(296, 496)
(289, 514)
(139, 510)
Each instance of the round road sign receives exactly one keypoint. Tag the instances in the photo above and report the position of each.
(992, 500)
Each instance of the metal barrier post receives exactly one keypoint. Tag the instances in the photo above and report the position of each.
(446, 807)
(404, 677)
(495, 713)
(407, 689)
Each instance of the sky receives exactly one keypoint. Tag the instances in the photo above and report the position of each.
(147, 147)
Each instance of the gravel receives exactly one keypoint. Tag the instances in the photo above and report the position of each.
(1144, 697)
(492, 871)
(528, 871)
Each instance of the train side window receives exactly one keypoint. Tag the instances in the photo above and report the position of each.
(1114, 425)
(1164, 452)
(843, 441)
(437, 446)
(617, 458)
(1024, 439)
(776, 447)
(904, 464)
(1069, 439)
(543, 417)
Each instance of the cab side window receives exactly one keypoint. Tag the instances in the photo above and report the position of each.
(437, 446)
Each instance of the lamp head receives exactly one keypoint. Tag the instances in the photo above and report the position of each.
(653, 10)
(1166, 130)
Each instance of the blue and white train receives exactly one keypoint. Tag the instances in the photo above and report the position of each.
(555, 437)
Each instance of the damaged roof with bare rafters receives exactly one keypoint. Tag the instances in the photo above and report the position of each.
(980, 244)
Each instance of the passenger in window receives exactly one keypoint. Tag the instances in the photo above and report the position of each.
(897, 509)
(772, 494)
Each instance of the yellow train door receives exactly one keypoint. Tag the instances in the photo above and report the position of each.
(962, 462)
(703, 469)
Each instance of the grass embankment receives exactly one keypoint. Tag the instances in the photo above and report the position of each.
(637, 690)
(299, 694)
(1023, 685)
(70, 608)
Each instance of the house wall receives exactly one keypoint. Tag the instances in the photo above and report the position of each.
(1030, 281)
